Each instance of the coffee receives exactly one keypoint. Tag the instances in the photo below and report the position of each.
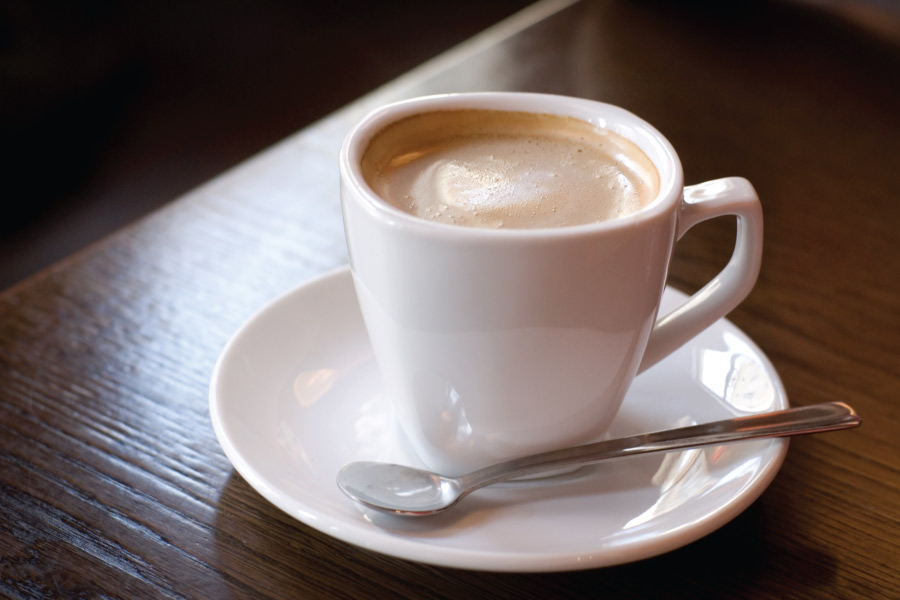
(516, 170)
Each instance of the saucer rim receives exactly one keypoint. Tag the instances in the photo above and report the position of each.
(413, 549)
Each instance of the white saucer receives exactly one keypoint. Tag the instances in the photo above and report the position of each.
(296, 394)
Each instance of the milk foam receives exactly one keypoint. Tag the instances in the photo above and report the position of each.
(495, 169)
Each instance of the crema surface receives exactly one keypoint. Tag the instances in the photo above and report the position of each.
(497, 169)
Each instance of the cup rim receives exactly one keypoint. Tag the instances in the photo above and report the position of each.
(619, 120)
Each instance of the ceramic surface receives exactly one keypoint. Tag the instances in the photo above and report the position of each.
(475, 329)
(296, 394)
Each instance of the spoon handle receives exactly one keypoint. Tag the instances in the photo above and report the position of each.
(818, 418)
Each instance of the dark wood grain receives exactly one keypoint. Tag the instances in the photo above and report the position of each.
(112, 483)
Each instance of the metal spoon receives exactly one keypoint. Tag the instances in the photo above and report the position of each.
(414, 492)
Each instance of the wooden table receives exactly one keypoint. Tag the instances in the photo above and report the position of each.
(112, 483)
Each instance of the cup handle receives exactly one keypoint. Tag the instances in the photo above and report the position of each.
(728, 196)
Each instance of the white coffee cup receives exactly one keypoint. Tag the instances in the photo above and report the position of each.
(500, 343)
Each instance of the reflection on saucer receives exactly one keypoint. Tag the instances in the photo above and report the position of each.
(735, 376)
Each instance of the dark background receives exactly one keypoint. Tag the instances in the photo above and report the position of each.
(109, 109)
